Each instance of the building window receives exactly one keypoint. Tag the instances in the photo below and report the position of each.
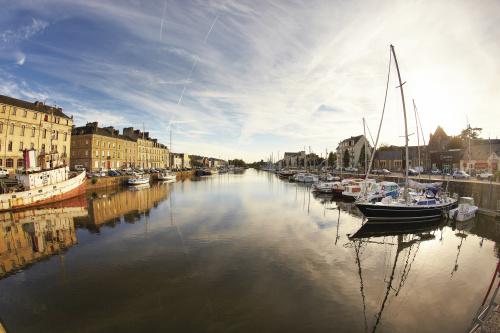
(43, 148)
(109, 145)
(57, 135)
(65, 136)
(3, 109)
(103, 153)
(86, 143)
(11, 129)
(32, 146)
(22, 130)
(32, 131)
(21, 146)
(97, 143)
(35, 115)
(113, 145)
(14, 111)
(103, 144)
(118, 154)
(113, 154)
(86, 153)
(66, 122)
(1, 127)
(25, 113)
(44, 135)
(20, 163)
(9, 163)
(9, 148)
(97, 153)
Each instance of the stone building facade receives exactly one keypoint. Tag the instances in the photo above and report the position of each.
(25, 125)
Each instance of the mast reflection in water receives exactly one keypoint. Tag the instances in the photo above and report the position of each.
(237, 252)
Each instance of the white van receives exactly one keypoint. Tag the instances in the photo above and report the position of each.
(79, 168)
(4, 172)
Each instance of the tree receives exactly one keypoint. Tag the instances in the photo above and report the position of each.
(347, 158)
(470, 133)
(384, 147)
(455, 143)
(332, 159)
(361, 159)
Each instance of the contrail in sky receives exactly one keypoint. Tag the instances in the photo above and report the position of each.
(163, 18)
(195, 60)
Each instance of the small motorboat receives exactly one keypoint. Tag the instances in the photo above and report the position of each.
(466, 210)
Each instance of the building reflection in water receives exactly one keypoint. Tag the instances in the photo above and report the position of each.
(31, 236)
(107, 209)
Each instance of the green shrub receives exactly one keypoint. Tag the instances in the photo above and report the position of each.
(496, 176)
(94, 180)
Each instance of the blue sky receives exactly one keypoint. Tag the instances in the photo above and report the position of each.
(247, 79)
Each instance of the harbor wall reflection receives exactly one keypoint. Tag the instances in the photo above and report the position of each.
(34, 235)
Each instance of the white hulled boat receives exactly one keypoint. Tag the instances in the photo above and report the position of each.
(45, 179)
(466, 210)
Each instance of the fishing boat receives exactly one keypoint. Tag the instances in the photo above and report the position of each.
(466, 210)
(432, 203)
(44, 179)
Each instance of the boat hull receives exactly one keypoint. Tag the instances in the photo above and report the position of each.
(44, 195)
(402, 213)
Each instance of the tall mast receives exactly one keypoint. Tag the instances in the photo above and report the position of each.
(364, 134)
(418, 136)
(406, 125)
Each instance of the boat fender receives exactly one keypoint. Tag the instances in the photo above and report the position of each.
(383, 187)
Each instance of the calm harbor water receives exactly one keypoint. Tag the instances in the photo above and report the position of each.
(242, 252)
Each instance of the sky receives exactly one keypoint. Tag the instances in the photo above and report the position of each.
(254, 79)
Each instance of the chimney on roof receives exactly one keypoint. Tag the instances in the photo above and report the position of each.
(59, 109)
(146, 135)
(93, 124)
(117, 132)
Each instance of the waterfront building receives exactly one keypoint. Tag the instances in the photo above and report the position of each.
(180, 160)
(25, 125)
(483, 156)
(150, 153)
(95, 147)
(392, 158)
(354, 146)
(292, 160)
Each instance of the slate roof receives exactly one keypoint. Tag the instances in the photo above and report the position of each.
(36, 106)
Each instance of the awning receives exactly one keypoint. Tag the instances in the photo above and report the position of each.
(481, 165)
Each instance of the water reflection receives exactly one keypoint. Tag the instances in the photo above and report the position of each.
(250, 253)
(31, 236)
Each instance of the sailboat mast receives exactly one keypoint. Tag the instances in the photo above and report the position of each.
(364, 134)
(406, 125)
(418, 136)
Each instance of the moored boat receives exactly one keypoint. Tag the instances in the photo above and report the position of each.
(45, 179)
(466, 210)
(167, 175)
(139, 179)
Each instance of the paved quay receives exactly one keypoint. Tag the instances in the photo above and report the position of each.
(492, 323)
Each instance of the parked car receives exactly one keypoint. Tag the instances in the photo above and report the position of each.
(411, 172)
(113, 173)
(4, 173)
(79, 167)
(89, 175)
(96, 174)
(385, 172)
(460, 175)
(435, 171)
(130, 172)
(484, 175)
